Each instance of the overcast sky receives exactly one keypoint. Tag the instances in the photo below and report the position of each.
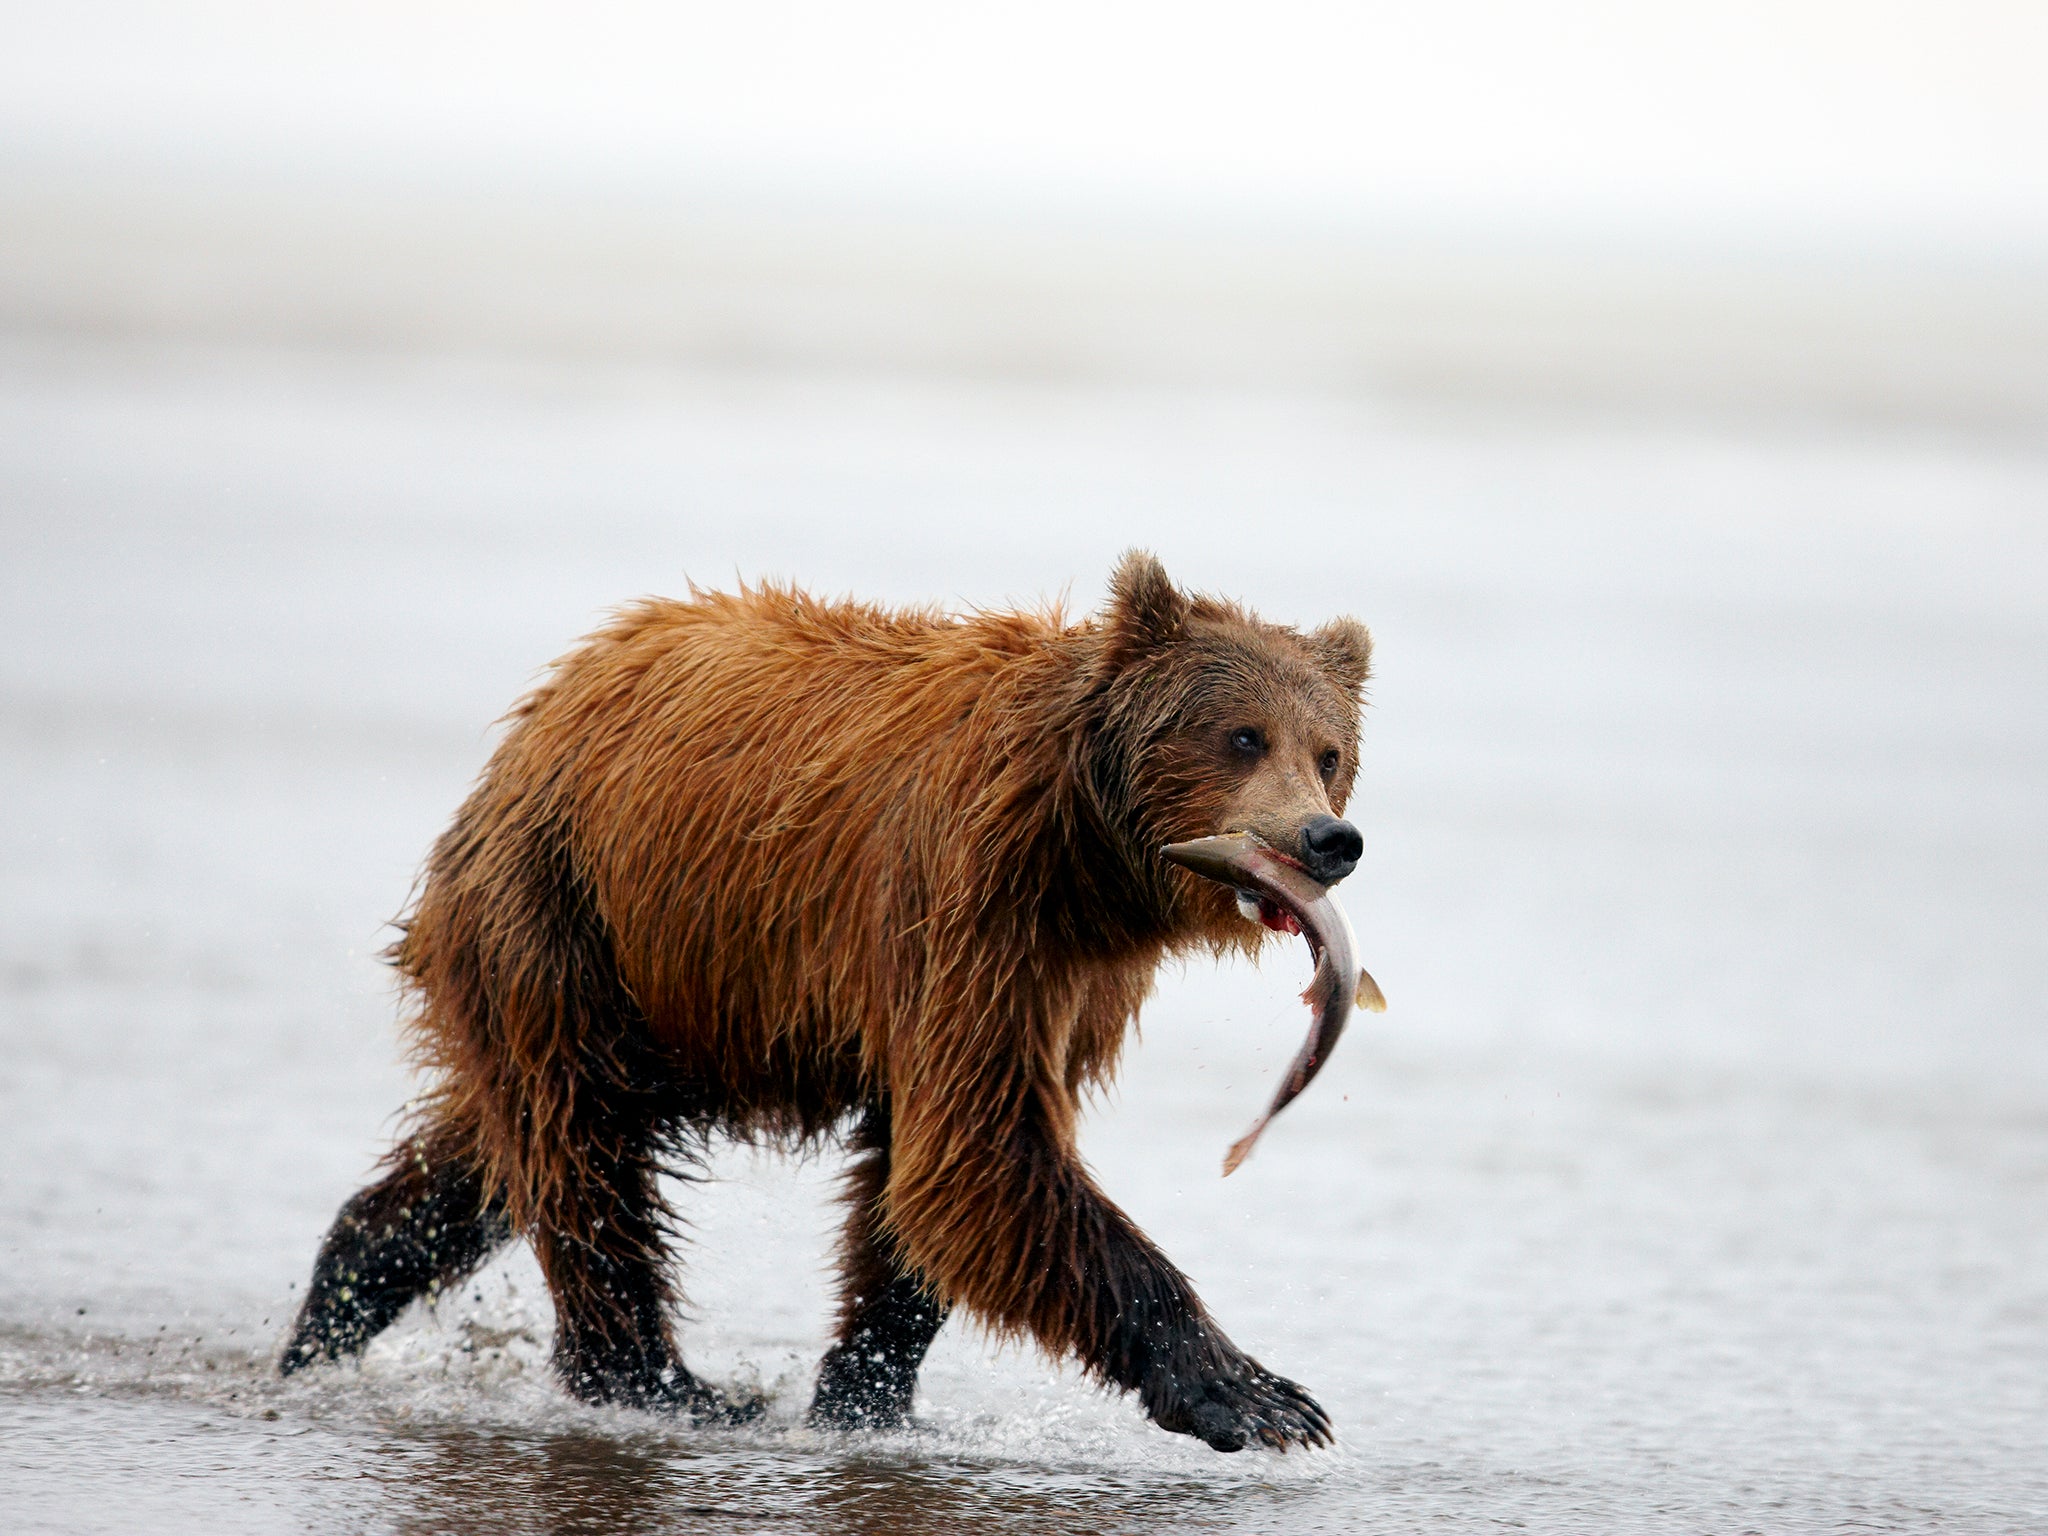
(1787, 119)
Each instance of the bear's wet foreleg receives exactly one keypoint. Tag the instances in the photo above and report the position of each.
(888, 1317)
(1135, 1320)
(419, 1230)
(1154, 1338)
(1031, 1244)
(600, 1241)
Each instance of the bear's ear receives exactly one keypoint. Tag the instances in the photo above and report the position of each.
(1145, 608)
(1345, 647)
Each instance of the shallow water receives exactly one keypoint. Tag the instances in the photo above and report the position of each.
(1697, 1180)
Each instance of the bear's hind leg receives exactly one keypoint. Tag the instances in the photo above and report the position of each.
(600, 1241)
(422, 1228)
(887, 1316)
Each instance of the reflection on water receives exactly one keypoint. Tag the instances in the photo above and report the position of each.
(451, 1481)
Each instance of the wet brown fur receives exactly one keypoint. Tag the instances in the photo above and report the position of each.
(758, 863)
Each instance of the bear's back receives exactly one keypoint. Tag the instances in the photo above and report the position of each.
(768, 794)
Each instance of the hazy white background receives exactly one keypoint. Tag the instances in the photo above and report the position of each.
(1745, 210)
(1814, 121)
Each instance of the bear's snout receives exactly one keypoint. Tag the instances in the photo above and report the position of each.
(1330, 849)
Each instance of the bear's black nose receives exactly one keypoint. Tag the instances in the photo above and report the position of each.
(1330, 848)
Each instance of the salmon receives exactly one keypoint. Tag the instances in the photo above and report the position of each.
(1279, 893)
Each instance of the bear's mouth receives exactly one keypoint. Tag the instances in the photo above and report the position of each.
(1268, 913)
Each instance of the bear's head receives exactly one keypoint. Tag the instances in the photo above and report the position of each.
(1214, 721)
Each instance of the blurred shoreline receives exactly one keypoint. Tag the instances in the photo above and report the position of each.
(1941, 342)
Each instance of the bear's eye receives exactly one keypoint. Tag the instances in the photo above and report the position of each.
(1329, 761)
(1247, 741)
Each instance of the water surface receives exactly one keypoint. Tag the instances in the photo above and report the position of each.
(1696, 1181)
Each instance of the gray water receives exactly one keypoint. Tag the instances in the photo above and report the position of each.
(1696, 1181)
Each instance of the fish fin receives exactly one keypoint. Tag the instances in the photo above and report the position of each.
(1370, 997)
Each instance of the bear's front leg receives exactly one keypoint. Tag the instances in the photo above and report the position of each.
(1194, 1381)
(990, 1200)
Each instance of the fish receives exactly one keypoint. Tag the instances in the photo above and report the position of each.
(1275, 890)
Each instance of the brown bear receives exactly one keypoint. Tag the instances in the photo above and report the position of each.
(780, 868)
